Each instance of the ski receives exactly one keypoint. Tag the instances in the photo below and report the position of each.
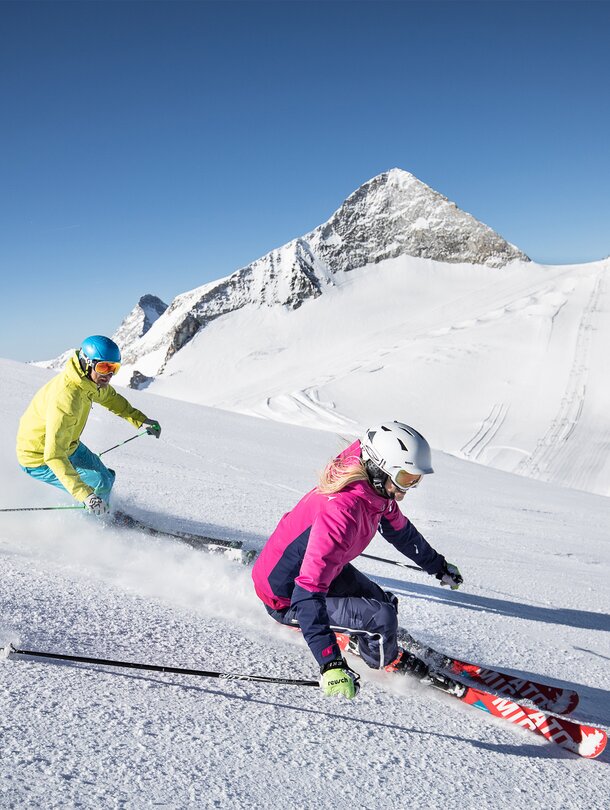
(231, 549)
(544, 696)
(586, 741)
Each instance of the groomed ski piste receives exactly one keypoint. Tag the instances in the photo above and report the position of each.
(535, 603)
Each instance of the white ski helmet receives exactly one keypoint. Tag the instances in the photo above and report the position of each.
(394, 446)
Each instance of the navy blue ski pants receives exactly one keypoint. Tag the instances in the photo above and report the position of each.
(358, 606)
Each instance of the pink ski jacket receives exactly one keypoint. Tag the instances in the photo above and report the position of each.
(319, 536)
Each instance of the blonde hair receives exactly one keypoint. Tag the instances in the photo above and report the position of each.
(339, 472)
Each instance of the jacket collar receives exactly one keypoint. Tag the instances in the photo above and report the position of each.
(366, 491)
(75, 373)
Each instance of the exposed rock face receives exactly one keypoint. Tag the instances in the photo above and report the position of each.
(396, 214)
(285, 277)
(139, 381)
(138, 322)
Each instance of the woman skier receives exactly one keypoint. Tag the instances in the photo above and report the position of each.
(304, 574)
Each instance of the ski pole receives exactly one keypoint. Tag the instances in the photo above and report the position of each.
(41, 508)
(392, 562)
(120, 444)
(156, 668)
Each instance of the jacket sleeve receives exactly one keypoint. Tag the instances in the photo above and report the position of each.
(60, 422)
(403, 535)
(117, 404)
(326, 555)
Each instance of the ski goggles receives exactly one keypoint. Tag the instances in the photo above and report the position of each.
(105, 367)
(403, 480)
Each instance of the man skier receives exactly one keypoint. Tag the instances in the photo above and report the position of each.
(48, 440)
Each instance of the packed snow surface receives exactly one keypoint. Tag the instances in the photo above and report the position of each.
(535, 603)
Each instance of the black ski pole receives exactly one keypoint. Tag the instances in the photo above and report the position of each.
(80, 659)
(120, 444)
(392, 562)
(41, 508)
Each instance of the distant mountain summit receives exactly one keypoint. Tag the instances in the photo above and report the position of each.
(135, 326)
(139, 320)
(393, 214)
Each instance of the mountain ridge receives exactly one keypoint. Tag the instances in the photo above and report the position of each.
(391, 215)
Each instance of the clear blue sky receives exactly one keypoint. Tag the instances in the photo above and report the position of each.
(149, 147)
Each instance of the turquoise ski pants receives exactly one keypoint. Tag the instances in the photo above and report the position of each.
(88, 465)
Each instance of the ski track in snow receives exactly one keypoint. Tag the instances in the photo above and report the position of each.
(306, 408)
(490, 426)
(543, 461)
(550, 455)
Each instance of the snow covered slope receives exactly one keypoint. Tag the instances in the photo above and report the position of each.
(535, 602)
(506, 368)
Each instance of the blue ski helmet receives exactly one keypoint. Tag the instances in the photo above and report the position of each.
(98, 347)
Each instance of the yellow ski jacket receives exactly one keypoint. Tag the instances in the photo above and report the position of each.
(50, 428)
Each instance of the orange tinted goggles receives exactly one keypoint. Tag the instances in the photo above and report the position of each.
(106, 367)
(404, 480)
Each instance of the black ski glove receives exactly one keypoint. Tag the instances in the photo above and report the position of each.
(153, 428)
(450, 575)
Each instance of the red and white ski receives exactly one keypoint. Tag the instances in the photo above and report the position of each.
(586, 741)
(552, 698)
(544, 696)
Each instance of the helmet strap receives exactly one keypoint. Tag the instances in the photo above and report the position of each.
(85, 364)
(378, 478)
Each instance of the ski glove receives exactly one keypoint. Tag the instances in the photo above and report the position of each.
(450, 575)
(96, 504)
(153, 428)
(338, 679)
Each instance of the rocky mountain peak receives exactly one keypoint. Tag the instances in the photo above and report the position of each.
(395, 214)
(148, 309)
(146, 312)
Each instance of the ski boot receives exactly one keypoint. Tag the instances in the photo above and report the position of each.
(406, 663)
(446, 684)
